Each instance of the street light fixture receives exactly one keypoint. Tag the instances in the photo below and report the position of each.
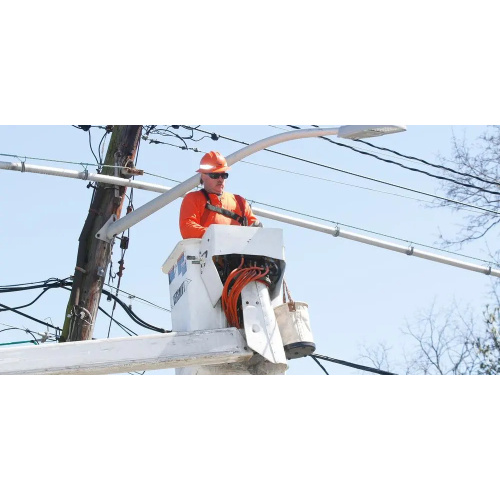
(355, 132)
(114, 227)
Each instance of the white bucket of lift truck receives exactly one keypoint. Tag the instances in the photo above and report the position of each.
(295, 327)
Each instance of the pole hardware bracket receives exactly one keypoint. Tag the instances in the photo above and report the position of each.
(85, 173)
(130, 172)
(102, 234)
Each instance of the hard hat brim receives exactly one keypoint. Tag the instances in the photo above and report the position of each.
(212, 170)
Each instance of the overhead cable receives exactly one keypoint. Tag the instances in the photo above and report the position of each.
(362, 229)
(97, 165)
(126, 329)
(369, 231)
(7, 308)
(337, 182)
(318, 363)
(352, 365)
(447, 179)
(51, 283)
(449, 200)
(159, 188)
(64, 284)
(29, 304)
(491, 181)
(473, 208)
(132, 296)
(372, 179)
(134, 316)
(485, 179)
(25, 330)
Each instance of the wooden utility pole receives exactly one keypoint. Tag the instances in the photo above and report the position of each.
(93, 254)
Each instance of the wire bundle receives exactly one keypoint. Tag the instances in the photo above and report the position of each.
(52, 283)
(238, 279)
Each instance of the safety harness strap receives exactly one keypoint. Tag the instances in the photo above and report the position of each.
(242, 220)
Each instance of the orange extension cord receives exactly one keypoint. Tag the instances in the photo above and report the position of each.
(236, 281)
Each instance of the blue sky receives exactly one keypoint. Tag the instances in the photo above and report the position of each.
(357, 294)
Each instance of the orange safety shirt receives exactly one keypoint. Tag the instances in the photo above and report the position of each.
(195, 217)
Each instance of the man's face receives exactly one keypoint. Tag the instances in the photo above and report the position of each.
(213, 186)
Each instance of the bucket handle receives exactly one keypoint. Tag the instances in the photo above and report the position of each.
(291, 303)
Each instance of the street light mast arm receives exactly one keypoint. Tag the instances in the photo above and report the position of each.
(114, 227)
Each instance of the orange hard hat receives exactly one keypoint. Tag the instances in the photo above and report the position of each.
(213, 163)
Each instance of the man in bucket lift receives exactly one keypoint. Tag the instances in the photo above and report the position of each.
(212, 205)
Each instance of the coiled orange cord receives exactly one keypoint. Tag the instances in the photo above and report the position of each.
(238, 279)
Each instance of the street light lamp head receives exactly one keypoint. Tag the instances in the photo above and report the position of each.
(365, 131)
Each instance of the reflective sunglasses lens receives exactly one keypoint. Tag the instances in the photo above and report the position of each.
(217, 176)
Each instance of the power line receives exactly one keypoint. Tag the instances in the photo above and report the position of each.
(374, 232)
(130, 313)
(351, 365)
(25, 330)
(447, 179)
(285, 171)
(161, 176)
(126, 329)
(67, 162)
(64, 284)
(335, 182)
(134, 316)
(442, 198)
(362, 229)
(91, 150)
(100, 148)
(10, 328)
(491, 181)
(472, 207)
(250, 163)
(50, 283)
(27, 305)
(355, 227)
(132, 296)
(359, 228)
(371, 232)
(86, 128)
(7, 308)
(186, 148)
(413, 159)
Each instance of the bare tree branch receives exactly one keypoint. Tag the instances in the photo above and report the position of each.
(482, 159)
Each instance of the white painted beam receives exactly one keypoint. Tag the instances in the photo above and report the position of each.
(121, 355)
(334, 231)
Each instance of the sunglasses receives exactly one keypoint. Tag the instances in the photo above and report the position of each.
(224, 175)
